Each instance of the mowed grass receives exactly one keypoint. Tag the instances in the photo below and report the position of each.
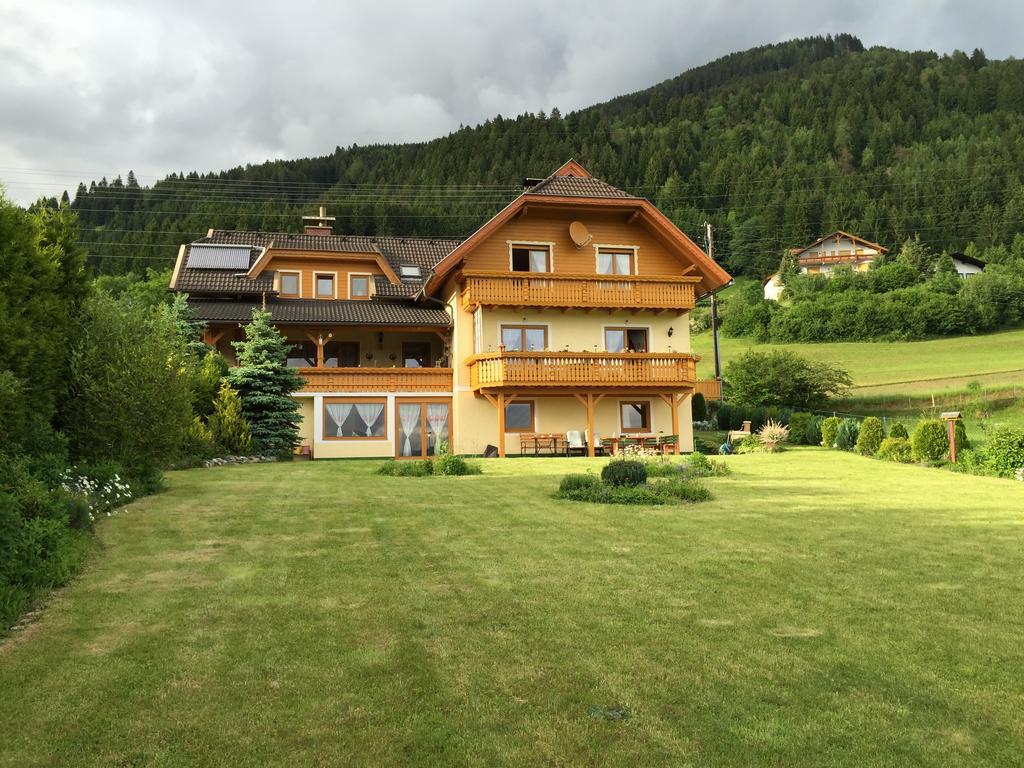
(877, 368)
(824, 609)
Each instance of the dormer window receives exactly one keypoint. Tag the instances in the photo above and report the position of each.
(359, 286)
(531, 258)
(411, 271)
(289, 287)
(325, 286)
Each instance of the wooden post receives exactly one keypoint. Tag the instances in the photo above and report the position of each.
(590, 426)
(674, 405)
(501, 425)
(319, 341)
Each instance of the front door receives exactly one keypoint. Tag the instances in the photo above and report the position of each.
(422, 425)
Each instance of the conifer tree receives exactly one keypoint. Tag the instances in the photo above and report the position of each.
(265, 384)
(228, 426)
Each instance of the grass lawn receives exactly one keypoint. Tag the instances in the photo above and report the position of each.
(878, 368)
(824, 609)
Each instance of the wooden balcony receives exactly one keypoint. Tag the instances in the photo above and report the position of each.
(562, 291)
(377, 379)
(582, 370)
(710, 388)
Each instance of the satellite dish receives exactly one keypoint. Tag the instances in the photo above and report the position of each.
(579, 234)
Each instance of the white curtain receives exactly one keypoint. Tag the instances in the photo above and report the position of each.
(369, 413)
(437, 418)
(538, 261)
(604, 263)
(615, 341)
(409, 415)
(622, 263)
(337, 412)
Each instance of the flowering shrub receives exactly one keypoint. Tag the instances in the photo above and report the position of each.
(635, 451)
(772, 435)
(102, 495)
(705, 426)
(1019, 475)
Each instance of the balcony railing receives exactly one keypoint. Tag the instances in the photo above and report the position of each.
(377, 379)
(542, 370)
(562, 291)
(710, 388)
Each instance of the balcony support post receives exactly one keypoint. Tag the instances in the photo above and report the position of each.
(499, 401)
(590, 401)
(674, 402)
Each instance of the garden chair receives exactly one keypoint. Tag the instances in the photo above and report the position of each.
(574, 443)
(651, 442)
(608, 445)
(669, 443)
(527, 441)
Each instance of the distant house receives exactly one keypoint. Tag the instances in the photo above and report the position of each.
(967, 266)
(826, 253)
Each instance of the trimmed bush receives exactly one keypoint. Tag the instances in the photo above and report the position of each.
(829, 428)
(895, 449)
(930, 441)
(699, 407)
(1004, 453)
(724, 416)
(847, 434)
(871, 435)
(899, 430)
(631, 473)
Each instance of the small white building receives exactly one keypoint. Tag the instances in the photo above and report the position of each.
(967, 266)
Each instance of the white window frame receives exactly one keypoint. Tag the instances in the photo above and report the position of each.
(369, 286)
(417, 271)
(532, 244)
(316, 288)
(611, 247)
(282, 272)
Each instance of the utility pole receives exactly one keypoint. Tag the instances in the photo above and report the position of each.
(714, 312)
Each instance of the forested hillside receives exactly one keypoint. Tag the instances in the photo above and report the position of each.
(774, 145)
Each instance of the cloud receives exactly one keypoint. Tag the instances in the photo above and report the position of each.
(96, 88)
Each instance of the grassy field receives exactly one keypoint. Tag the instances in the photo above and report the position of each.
(921, 367)
(824, 609)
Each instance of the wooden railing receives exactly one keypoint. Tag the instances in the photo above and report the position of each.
(710, 388)
(635, 370)
(550, 289)
(377, 379)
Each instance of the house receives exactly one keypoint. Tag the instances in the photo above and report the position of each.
(967, 266)
(565, 311)
(824, 254)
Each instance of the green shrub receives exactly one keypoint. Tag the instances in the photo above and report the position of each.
(895, 449)
(829, 429)
(960, 436)
(624, 472)
(749, 444)
(699, 465)
(682, 490)
(406, 468)
(228, 427)
(1004, 452)
(699, 407)
(576, 482)
(899, 430)
(971, 462)
(799, 421)
(871, 436)
(657, 468)
(847, 434)
(930, 441)
(449, 464)
(724, 416)
(198, 441)
(603, 493)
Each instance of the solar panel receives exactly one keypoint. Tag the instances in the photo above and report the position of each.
(206, 256)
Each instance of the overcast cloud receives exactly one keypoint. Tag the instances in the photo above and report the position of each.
(96, 88)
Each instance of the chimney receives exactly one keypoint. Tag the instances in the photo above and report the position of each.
(318, 225)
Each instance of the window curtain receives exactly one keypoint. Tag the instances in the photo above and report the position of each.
(622, 265)
(337, 412)
(538, 261)
(615, 341)
(409, 415)
(369, 413)
(437, 418)
(604, 263)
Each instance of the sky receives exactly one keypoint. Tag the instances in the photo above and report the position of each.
(91, 88)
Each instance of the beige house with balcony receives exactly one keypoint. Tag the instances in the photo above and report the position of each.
(566, 312)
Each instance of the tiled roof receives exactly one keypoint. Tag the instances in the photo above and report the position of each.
(319, 311)
(223, 281)
(575, 186)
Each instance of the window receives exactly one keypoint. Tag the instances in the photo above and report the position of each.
(614, 262)
(359, 286)
(290, 286)
(355, 419)
(410, 270)
(625, 340)
(635, 415)
(344, 354)
(519, 417)
(325, 286)
(422, 426)
(531, 258)
(416, 354)
(524, 338)
(302, 354)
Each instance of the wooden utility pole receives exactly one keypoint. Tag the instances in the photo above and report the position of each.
(714, 313)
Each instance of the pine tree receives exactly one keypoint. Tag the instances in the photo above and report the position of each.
(265, 384)
(228, 428)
